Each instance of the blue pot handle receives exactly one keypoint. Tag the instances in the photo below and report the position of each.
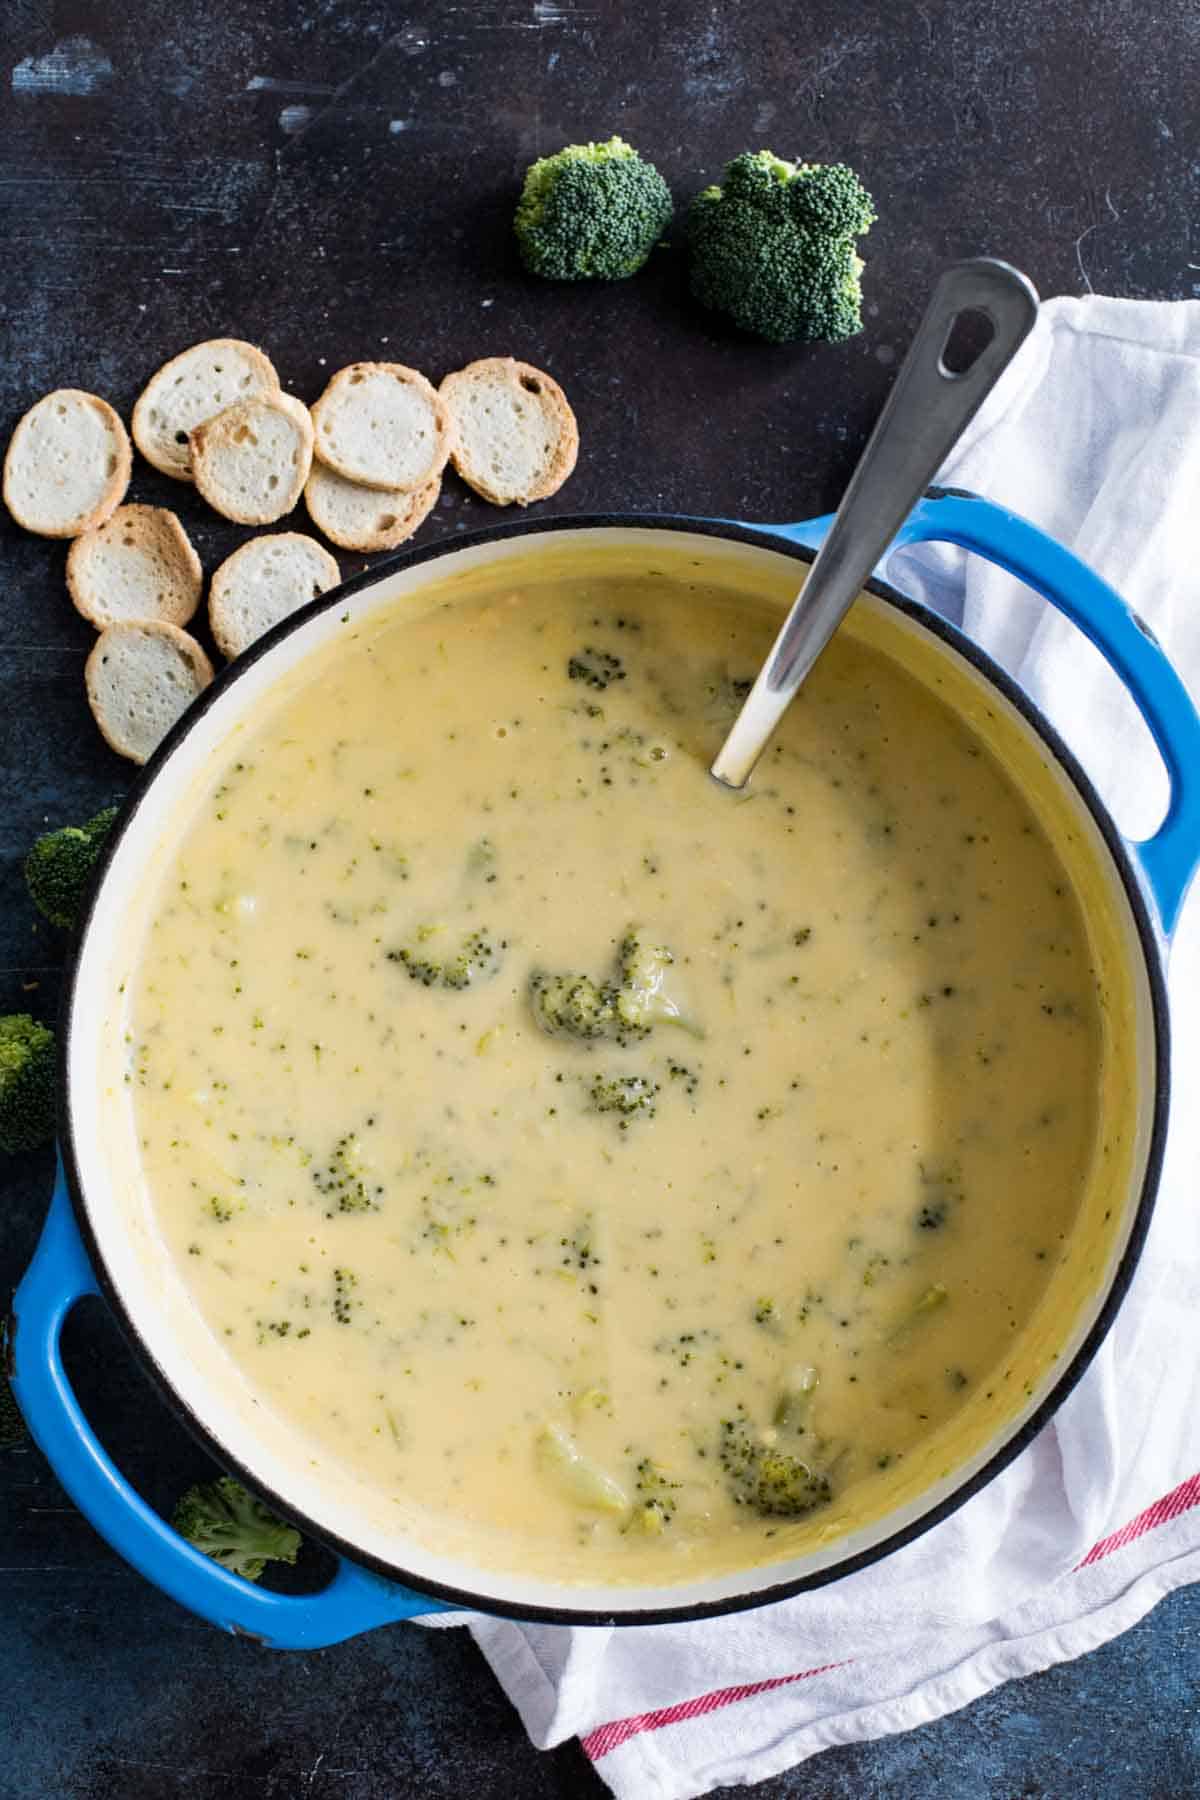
(1168, 860)
(59, 1276)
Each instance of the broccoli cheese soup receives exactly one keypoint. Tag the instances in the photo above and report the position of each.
(620, 1176)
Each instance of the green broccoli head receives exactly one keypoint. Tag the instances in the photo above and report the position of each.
(59, 866)
(572, 1006)
(234, 1527)
(477, 958)
(623, 1009)
(656, 1504)
(346, 1181)
(28, 1082)
(773, 248)
(628, 1096)
(641, 1001)
(592, 212)
(772, 1482)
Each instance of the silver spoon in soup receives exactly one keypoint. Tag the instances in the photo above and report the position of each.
(941, 385)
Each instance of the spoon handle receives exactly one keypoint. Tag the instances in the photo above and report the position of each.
(928, 408)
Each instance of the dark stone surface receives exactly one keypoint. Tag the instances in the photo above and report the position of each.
(334, 180)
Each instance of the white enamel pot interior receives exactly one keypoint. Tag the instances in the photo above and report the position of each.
(149, 1295)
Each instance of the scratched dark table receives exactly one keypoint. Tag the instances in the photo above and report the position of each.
(335, 181)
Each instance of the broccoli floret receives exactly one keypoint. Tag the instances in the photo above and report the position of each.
(595, 668)
(592, 212)
(930, 1301)
(234, 1528)
(59, 866)
(774, 248)
(772, 1482)
(477, 958)
(642, 969)
(725, 694)
(345, 1180)
(28, 1081)
(344, 1283)
(481, 859)
(795, 1400)
(632, 1096)
(572, 1006)
(623, 1009)
(576, 1476)
(941, 1194)
(656, 1503)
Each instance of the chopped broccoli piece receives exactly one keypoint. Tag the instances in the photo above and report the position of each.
(577, 1477)
(930, 1301)
(795, 1399)
(481, 859)
(345, 1179)
(477, 958)
(28, 1083)
(642, 969)
(579, 1250)
(656, 1503)
(769, 1480)
(687, 1078)
(941, 1194)
(726, 694)
(234, 1527)
(572, 1006)
(623, 1009)
(344, 1283)
(632, 1096)
(595, 668)
(591, 212)
(59, 867)
(773, 248)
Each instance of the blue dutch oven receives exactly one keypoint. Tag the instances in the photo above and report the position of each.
(99, 1238)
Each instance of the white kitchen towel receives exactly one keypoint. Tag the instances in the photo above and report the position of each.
(1094, 433)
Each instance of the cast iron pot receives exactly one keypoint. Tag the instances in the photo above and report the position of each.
(97, 1239)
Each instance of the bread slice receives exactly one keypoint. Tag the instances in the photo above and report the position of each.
(139, 564)
(363, 518)
(265, 581)
(251, 461)
(515, 436)
(383, 425)
(141, 677)
(68, 464)
(191, 388)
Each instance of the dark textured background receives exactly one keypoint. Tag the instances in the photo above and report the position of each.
(335, 181)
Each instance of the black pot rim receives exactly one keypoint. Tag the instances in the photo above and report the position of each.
(760, 537)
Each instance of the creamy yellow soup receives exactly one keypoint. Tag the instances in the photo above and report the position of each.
(626, 1177)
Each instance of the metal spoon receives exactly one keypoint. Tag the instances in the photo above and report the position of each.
(926, 411)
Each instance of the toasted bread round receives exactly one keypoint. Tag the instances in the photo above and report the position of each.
(141, 677)
(139, 564)
(515, 436)
(384, 426)
(265, 581)
(362, 518)
(68, 464)
(251, 461)
(191, 388)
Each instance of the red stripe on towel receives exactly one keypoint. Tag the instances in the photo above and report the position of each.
(598, 1743)
(1179, 1500)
